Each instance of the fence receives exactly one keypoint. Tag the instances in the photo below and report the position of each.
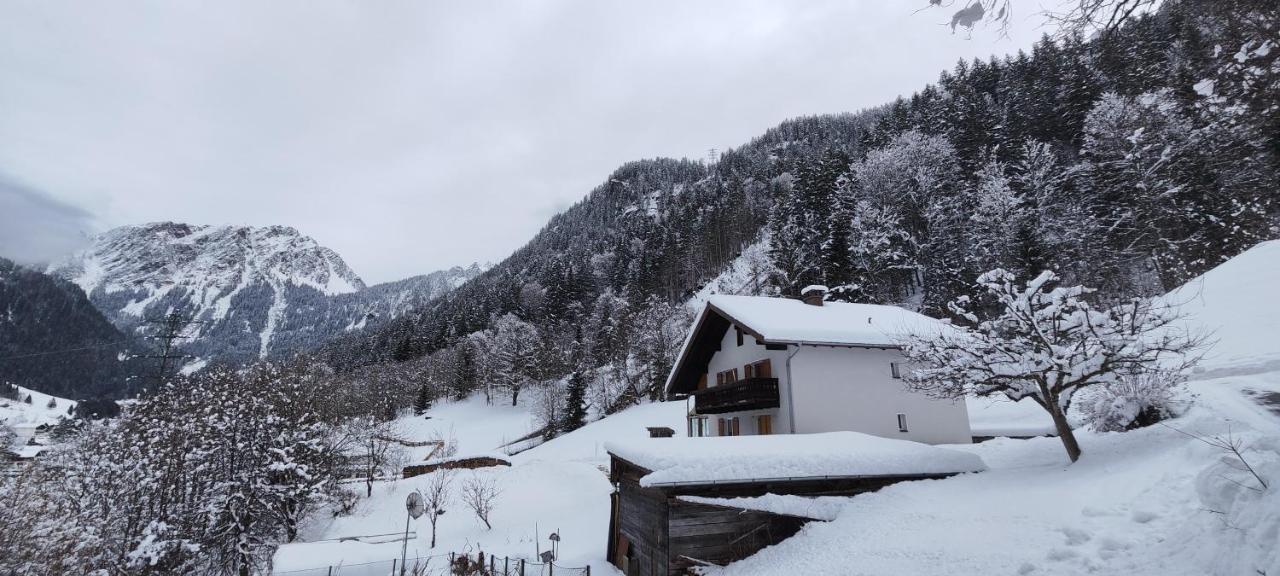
(445, 565)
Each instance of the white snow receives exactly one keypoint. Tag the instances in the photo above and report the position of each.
(789, 320)
(1000, 416)
(1235, 303)
(18, 414)
(817, 507)
(784, 456)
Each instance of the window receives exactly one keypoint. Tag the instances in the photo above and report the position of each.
(727, 377)
(764, 424)
(895, 370)
(902, 422)
(698, 427)
(729, 427)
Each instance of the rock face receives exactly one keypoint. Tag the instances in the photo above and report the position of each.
(255, 292)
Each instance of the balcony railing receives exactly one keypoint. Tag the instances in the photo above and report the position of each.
(748, 394)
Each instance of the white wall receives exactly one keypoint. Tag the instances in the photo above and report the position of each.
(853, 389)
(733, 356)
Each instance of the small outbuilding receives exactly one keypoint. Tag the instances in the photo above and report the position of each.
(685, 502)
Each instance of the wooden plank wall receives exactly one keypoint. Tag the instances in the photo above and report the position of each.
(720, 535)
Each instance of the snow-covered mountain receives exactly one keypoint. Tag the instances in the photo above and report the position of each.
(255, 292)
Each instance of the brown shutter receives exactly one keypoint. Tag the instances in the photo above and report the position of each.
(702, 382)
(764, 369)
(719, 426)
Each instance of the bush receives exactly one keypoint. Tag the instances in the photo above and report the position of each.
(1134, 401)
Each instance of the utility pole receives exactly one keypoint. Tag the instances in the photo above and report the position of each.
(172, 328)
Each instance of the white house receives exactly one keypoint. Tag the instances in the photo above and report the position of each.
(760, 365)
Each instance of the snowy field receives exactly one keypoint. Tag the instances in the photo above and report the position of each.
(1153, 501)
(559, 486)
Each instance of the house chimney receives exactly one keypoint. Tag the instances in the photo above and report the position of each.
(813, 295)
(660, 431)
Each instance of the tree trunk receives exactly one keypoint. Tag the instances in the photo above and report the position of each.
(1065, 433)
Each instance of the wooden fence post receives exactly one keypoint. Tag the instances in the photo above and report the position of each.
(506, 565)
(522, 567)
(491, 564)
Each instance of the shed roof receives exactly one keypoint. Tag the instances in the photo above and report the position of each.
(784, 457)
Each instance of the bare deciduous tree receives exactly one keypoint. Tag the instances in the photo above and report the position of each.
(478, 494)
(436, 496)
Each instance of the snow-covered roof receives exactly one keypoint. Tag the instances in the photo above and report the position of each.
(782, 457)
(813, 507)
(785, 320)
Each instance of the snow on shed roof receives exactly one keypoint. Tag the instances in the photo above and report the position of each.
(730, 459)
(814, 507)
(785, 320)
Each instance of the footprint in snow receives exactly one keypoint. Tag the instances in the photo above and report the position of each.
(1062, 554)
(1142, 516)
(1075, 536)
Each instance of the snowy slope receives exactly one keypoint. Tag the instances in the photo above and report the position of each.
(23, 418)
(1235, 305)
(256, 291)
(561, 485)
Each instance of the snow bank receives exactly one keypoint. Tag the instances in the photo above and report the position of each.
(782, 456)
(789, 320)
(1000, 416)
(1235, 304)
(817, 508)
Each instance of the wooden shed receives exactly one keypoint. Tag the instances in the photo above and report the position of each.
(667, 527)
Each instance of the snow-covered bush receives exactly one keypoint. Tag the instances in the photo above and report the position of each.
(1132, 401)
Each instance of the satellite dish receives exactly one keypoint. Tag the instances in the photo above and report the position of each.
(415, 505)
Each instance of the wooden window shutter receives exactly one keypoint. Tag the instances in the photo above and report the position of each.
(749, 369)
(736, 431)
(764, 369)
(719, 426)
(702, 382)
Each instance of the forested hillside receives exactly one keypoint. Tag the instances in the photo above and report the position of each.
(1130, 163)
(53, 340)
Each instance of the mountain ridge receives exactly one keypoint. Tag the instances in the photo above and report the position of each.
(252, 292)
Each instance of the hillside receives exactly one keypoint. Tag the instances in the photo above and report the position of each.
(253, 292)
(1098, 159)
(54, 340)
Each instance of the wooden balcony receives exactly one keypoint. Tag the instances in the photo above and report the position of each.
(748, 394)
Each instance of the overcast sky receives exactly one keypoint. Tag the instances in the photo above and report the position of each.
(414, 135)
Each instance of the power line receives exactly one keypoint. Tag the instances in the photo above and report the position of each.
(51, 352)
(172, 328)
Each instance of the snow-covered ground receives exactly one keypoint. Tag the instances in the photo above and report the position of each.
(561, 485)
(25, 418)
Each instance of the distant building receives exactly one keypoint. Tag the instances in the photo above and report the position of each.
(759, 365)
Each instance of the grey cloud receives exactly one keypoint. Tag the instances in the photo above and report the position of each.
(35, 228)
